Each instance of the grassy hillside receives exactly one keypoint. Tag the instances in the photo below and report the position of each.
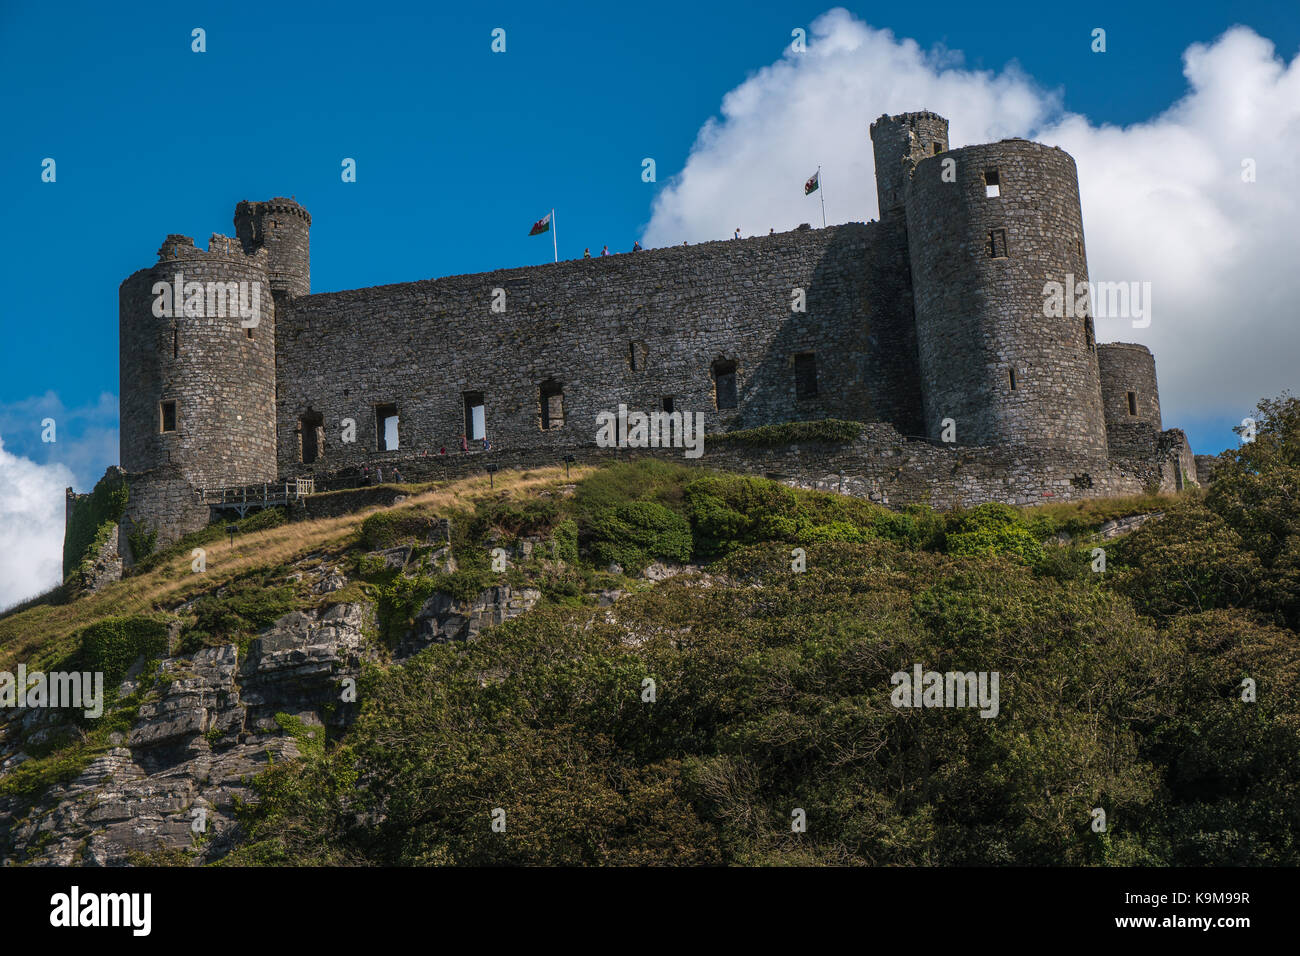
(691, 720)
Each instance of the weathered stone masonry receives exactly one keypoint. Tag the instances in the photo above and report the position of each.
(629, 329)
(934, 312)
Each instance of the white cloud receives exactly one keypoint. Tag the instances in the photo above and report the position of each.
(87, 434)
(31, 526)
(1163, 200)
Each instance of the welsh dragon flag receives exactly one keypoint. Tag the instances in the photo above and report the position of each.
(813, 184)
(540, 226)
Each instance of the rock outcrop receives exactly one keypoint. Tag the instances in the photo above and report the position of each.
(209, 722)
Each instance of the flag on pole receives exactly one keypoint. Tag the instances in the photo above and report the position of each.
(542, 225)
(813, 184)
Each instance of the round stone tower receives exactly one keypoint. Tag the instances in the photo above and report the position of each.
(282, 228)
(899, 143)
(1128, 384)
(197, 362)
(987, 233)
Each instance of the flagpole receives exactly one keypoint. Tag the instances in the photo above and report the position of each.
(555, 242)
(821, 188)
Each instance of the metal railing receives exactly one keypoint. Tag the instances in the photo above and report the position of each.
(266, 493)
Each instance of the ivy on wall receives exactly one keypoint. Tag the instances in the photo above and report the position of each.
(92, 520)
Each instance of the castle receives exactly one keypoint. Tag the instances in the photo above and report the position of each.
(928, 323)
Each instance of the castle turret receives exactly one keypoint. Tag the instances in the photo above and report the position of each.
(990, 229)
(899, 143)
(1130, 396)
(197, 360)
(282, 228)
(1128, 383)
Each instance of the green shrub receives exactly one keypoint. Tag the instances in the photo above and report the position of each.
(309, 737)
(1187, 562)
(916, 527)
(992, 528)
(637, 533)
(244, 607)
(112, 645)
(645, 479)
(833, 531)
(566, 540)
(728, 512)
(1066, 562)
(515, 519)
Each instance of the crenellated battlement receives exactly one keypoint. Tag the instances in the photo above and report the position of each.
(220, 248)
(280, 205)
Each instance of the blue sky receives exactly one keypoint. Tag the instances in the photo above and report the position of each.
(458, 149)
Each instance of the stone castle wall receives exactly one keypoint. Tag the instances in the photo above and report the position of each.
(161, 501)
(631, 329)
(881, 465)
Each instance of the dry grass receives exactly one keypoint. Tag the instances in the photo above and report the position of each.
(1092, 512)
(41, 635)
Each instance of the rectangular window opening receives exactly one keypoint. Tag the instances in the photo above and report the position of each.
(992, 187)
(475, 418)
(666, 403)
(176, 343)
(938, 147)
(311, 435)
(998, 244)
(248, 333)
(167, 416)
(1011, 376)
(386, 427)
(1132, 403)
(551, 400)
(805, 375)
(724, 385)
